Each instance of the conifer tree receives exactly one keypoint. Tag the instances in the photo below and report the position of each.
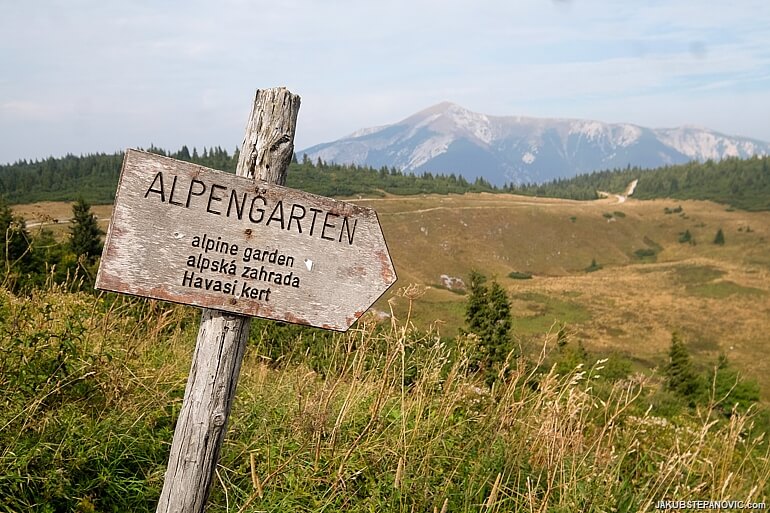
(719, 238)
(500, 324)
(476, 315)
(680, 376)
(15, 245)
(85, 234)
(488, 316)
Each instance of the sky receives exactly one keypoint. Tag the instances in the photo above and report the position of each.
(88, 76)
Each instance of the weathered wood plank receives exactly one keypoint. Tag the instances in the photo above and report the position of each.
(202, 422)
(181, 232)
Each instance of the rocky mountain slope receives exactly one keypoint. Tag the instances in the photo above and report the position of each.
(448, 138)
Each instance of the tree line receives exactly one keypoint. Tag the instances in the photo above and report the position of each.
(740, 183)
(94, 178)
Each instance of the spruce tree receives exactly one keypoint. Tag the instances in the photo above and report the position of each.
(731, 390)
(85, 234)
(476, 310)
(488, 316)
(719, 238)
(15, 247)
(680, 376)
(686, 236)
(500, 324)
(14, 238)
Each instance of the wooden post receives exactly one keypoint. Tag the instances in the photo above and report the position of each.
(267, 150)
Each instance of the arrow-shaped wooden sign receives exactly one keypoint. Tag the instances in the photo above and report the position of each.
(184, 233)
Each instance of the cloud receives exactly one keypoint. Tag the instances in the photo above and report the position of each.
(27, 110)
(174, 70)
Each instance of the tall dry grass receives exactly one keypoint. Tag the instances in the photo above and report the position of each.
(382, 418)
(398, 422)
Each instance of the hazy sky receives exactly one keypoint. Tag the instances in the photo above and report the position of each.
(85, 76)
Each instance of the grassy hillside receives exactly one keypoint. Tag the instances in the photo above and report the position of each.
(379, 419)
(395, 415)
(650, 285)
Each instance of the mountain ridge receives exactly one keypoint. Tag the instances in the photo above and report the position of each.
(448, 138)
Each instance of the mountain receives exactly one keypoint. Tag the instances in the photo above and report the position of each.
(448, 138)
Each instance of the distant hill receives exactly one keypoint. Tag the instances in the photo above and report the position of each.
(513, 149)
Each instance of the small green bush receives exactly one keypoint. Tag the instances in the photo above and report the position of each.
(685, 236)
(593, 267)
(645, 253)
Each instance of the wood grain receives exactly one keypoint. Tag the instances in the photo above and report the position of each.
(219, 350)
(184, 233)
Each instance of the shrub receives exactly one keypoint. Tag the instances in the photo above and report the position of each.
(83, 423)
(648, 254)
(593, 267)
(685, 236)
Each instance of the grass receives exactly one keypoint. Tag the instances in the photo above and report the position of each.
(723, 290)
(697, 274)
(55, 215)
(382, 418)
(632, 303)
(535, 313)
(88, 400)
(707, 282)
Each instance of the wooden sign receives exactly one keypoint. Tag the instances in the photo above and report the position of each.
(184, 233)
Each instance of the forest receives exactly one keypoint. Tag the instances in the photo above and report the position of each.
(94, 178)
(740, 183)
